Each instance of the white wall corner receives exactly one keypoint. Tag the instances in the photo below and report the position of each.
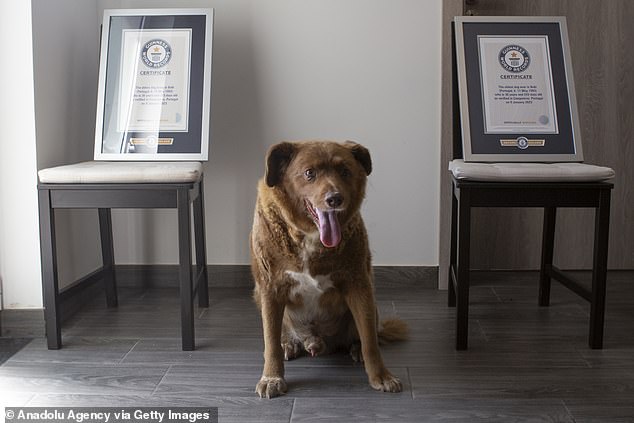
(19, 221)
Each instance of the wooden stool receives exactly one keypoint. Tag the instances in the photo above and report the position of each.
(548, 186)
(108, 185)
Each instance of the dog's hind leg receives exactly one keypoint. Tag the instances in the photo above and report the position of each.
(355, 352)
(291, 344)
(315, 346)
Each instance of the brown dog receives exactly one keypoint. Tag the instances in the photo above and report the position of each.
(311, 262)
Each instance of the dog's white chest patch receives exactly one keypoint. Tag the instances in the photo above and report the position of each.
(308, 287)
(307, 312)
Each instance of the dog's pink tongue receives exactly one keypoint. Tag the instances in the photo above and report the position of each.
(329, 230)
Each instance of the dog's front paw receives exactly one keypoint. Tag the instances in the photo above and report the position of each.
(387, 382)
(271, 387)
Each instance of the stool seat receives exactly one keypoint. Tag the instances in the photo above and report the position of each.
(529, 172)
(93, 172)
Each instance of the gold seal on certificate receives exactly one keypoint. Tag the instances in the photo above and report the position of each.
(517, 85)
(155, 72)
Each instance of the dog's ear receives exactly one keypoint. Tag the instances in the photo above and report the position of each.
(361, 154)
(277, 160)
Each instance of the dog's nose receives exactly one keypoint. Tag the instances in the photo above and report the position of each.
(334, 199)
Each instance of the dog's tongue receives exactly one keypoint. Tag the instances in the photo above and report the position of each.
(329, 230)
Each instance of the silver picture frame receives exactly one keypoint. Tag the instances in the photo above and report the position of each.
(516, 90)
(154, 91)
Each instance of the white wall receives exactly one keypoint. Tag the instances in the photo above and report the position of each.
(66, 60)
(19, 236)
(286, 70)
(367, 70)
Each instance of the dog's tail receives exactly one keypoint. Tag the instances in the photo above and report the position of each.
(393, 330)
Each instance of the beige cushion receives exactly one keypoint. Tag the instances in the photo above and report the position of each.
(122, 172)
(529, 172)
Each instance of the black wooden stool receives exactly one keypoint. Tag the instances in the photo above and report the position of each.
(547, 186)
(108, 185)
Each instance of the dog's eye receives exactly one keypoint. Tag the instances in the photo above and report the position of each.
(310, 174)
(344, 171)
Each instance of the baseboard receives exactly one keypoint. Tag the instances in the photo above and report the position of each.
(166, 276)
(406, 276)
(23, 323)
(17, 323)
(239, 276)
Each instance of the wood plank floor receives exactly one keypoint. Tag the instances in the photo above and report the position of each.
(525, 363)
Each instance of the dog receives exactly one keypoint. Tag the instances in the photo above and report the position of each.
(311, 262)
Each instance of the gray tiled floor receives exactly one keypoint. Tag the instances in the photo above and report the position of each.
(525, 363)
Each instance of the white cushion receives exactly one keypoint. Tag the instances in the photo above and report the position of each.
(122, 172)
(529, 172)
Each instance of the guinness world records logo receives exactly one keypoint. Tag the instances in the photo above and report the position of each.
(156, 53)
(514, 58)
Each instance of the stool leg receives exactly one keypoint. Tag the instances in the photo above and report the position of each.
(107, 255)
(50, 284)
(599, 270)
(451, 289)
(462, 270)
(202, 284)
(548, 241)
(185, 270)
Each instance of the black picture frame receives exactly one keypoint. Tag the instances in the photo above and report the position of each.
(516, 90)
(154, 93)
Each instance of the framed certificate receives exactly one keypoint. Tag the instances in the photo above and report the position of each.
(154, 85)
(516, 89)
